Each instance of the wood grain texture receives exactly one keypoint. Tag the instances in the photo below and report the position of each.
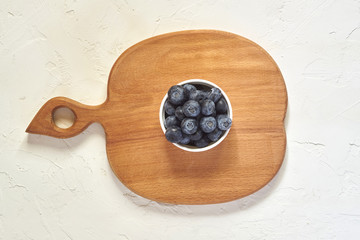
(137, 150)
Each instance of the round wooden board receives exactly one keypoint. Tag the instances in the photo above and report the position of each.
(137, 150)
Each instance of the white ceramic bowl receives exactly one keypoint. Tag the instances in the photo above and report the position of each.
(193, 148)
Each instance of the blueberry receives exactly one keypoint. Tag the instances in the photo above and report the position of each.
(188, 88)
(171, 121)
(174, 134)
(169, 109)
(196, 136)
(189, 125)
(224, 122)
(207, 107)
(203, 142)
(204, 95)
(215, 94)
(215, 135)
(198, 95)
(193, 95)
(191, 108)
(179, 113)
(221, 106)
(185, 140)
(176, 95)
(208, 124)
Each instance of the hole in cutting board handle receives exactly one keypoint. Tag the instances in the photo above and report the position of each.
(63, 117)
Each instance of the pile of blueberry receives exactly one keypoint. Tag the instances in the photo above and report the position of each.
(196, 115)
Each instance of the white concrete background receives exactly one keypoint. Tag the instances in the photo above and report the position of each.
(64, 189)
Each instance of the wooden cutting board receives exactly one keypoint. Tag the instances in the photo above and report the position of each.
(137, 150)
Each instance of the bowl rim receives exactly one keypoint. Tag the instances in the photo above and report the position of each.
(213, 144)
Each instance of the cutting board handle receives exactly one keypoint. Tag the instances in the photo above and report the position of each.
(43, 122)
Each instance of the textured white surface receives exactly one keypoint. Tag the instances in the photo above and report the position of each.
(64, 189)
